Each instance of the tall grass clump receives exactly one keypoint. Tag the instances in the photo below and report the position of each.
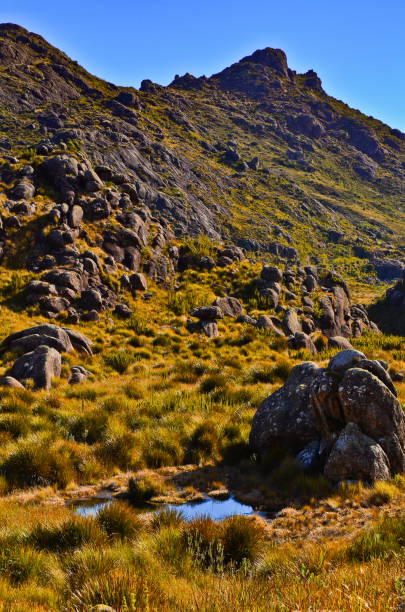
(38, 464)
(233, 542)
(142, 489)
(73, 533)
(384, 540)
(119, 521)
(120, 360)
(120, 589)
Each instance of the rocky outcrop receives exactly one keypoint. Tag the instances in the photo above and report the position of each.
(345, 419)
(42, 347)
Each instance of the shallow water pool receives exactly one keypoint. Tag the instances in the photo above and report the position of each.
(216, 509)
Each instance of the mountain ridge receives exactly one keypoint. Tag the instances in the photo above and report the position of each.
(189, 149)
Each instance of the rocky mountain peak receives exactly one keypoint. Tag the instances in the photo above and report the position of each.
(275, 59)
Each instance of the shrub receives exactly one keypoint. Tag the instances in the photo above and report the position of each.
(212, 382)
(90, 427)
(116, 403)
(202, 539)
(200, 247)
(38, 464)
(203, 442)
(120, 360)
(260, 373)
(161, 452)
(138, 323)
(162, 340)
(120, 589)
(22, 563)
(242, 540)
(282, 369)
(231, 542)
(73, 533)
(183, 301)
(17, 426)
(117, 451)
(118, 520)
(142, 489)
(167, 517)
(381, 541)
(382, 493)
(133, 390)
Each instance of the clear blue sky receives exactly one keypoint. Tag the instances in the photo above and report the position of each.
(356, 46)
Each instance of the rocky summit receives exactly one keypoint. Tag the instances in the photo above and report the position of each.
(202, 297)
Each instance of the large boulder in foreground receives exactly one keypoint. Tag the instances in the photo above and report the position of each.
(285, 419)
(346, 418)
(40, 366)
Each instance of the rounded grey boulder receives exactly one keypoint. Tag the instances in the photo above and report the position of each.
(285, 418)
(40, 365)
(344, 360)
(356, 456)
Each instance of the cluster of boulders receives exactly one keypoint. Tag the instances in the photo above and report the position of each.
(332, 313)
(41, 349)
(344, 420)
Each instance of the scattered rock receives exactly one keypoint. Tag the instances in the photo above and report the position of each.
(9, 381)
(339, 342)
(40, 365)
(344, 419)
(271, 273)
(207, 313)
(230, 306)
(123, 311)
(138, 282)
(78, 374)
(285, 418)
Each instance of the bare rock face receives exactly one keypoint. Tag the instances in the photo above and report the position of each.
(40, 365)
(356, 456)
(349, 410)
(285, 418)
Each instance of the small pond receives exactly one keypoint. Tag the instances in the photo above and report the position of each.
(215, 509)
